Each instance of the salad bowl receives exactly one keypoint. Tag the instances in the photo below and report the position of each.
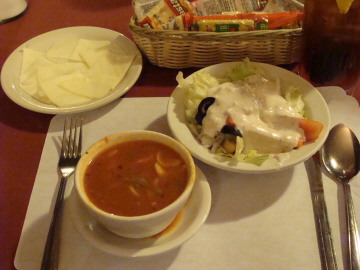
(315, 108)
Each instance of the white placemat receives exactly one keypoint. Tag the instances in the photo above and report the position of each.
(256, 221)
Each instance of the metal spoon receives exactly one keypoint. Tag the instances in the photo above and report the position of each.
(341, 158)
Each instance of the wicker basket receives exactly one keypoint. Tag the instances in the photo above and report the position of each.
(181, 49)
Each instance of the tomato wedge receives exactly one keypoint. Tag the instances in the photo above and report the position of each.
(312, 129)
(230, 121)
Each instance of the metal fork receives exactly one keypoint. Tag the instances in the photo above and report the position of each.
(69, 157)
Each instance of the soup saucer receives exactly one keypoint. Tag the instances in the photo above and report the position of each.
(185, 225)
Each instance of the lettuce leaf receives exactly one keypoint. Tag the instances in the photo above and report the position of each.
(254, 158)
(241, 71)
(195, 92)
(294, 98)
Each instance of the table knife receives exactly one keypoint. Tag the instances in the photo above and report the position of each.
(323, 230)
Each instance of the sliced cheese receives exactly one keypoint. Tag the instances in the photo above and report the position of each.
(30, 87)
(62, 48)
(115, 48)
(58, 95)
(73, 71)
(29, 56)
(91, 87)
(84, 45)
(50, 72)
(91, 56)
(41, 96)
(30, 73)
(113, 65)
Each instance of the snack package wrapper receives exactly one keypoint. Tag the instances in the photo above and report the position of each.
(239, 22)
(162, 15)
(142, 7)
(211, 7)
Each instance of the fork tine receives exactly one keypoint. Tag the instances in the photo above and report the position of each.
(69, 146)
(79, 148)
(74, 146)
(63, 146)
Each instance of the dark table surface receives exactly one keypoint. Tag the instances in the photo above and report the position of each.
(23, 132)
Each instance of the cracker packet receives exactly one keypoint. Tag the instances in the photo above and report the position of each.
(212, 7)
(240, 22)
(142, 7)
(162, 15)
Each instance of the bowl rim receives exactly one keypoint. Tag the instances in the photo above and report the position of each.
(185, 154)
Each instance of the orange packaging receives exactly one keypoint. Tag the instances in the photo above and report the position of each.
(239, 22)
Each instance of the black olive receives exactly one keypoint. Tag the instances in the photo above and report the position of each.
(202, 109)
(226, 129)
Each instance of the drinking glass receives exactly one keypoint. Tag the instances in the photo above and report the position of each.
(331, 45)
(11, 10)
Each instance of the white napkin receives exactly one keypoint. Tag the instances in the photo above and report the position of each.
(256, 221)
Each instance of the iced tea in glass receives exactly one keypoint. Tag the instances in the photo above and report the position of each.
(331, 44)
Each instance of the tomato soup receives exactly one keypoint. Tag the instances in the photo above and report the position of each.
(135, 178)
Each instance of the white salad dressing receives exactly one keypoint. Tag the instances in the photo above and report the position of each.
(267, 123)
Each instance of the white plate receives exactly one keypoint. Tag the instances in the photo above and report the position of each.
(188, 222)
(11, 70)
(315, 107)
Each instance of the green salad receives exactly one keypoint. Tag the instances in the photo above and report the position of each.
(243, 115)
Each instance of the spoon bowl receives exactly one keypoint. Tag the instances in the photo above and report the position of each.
(340, 156)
